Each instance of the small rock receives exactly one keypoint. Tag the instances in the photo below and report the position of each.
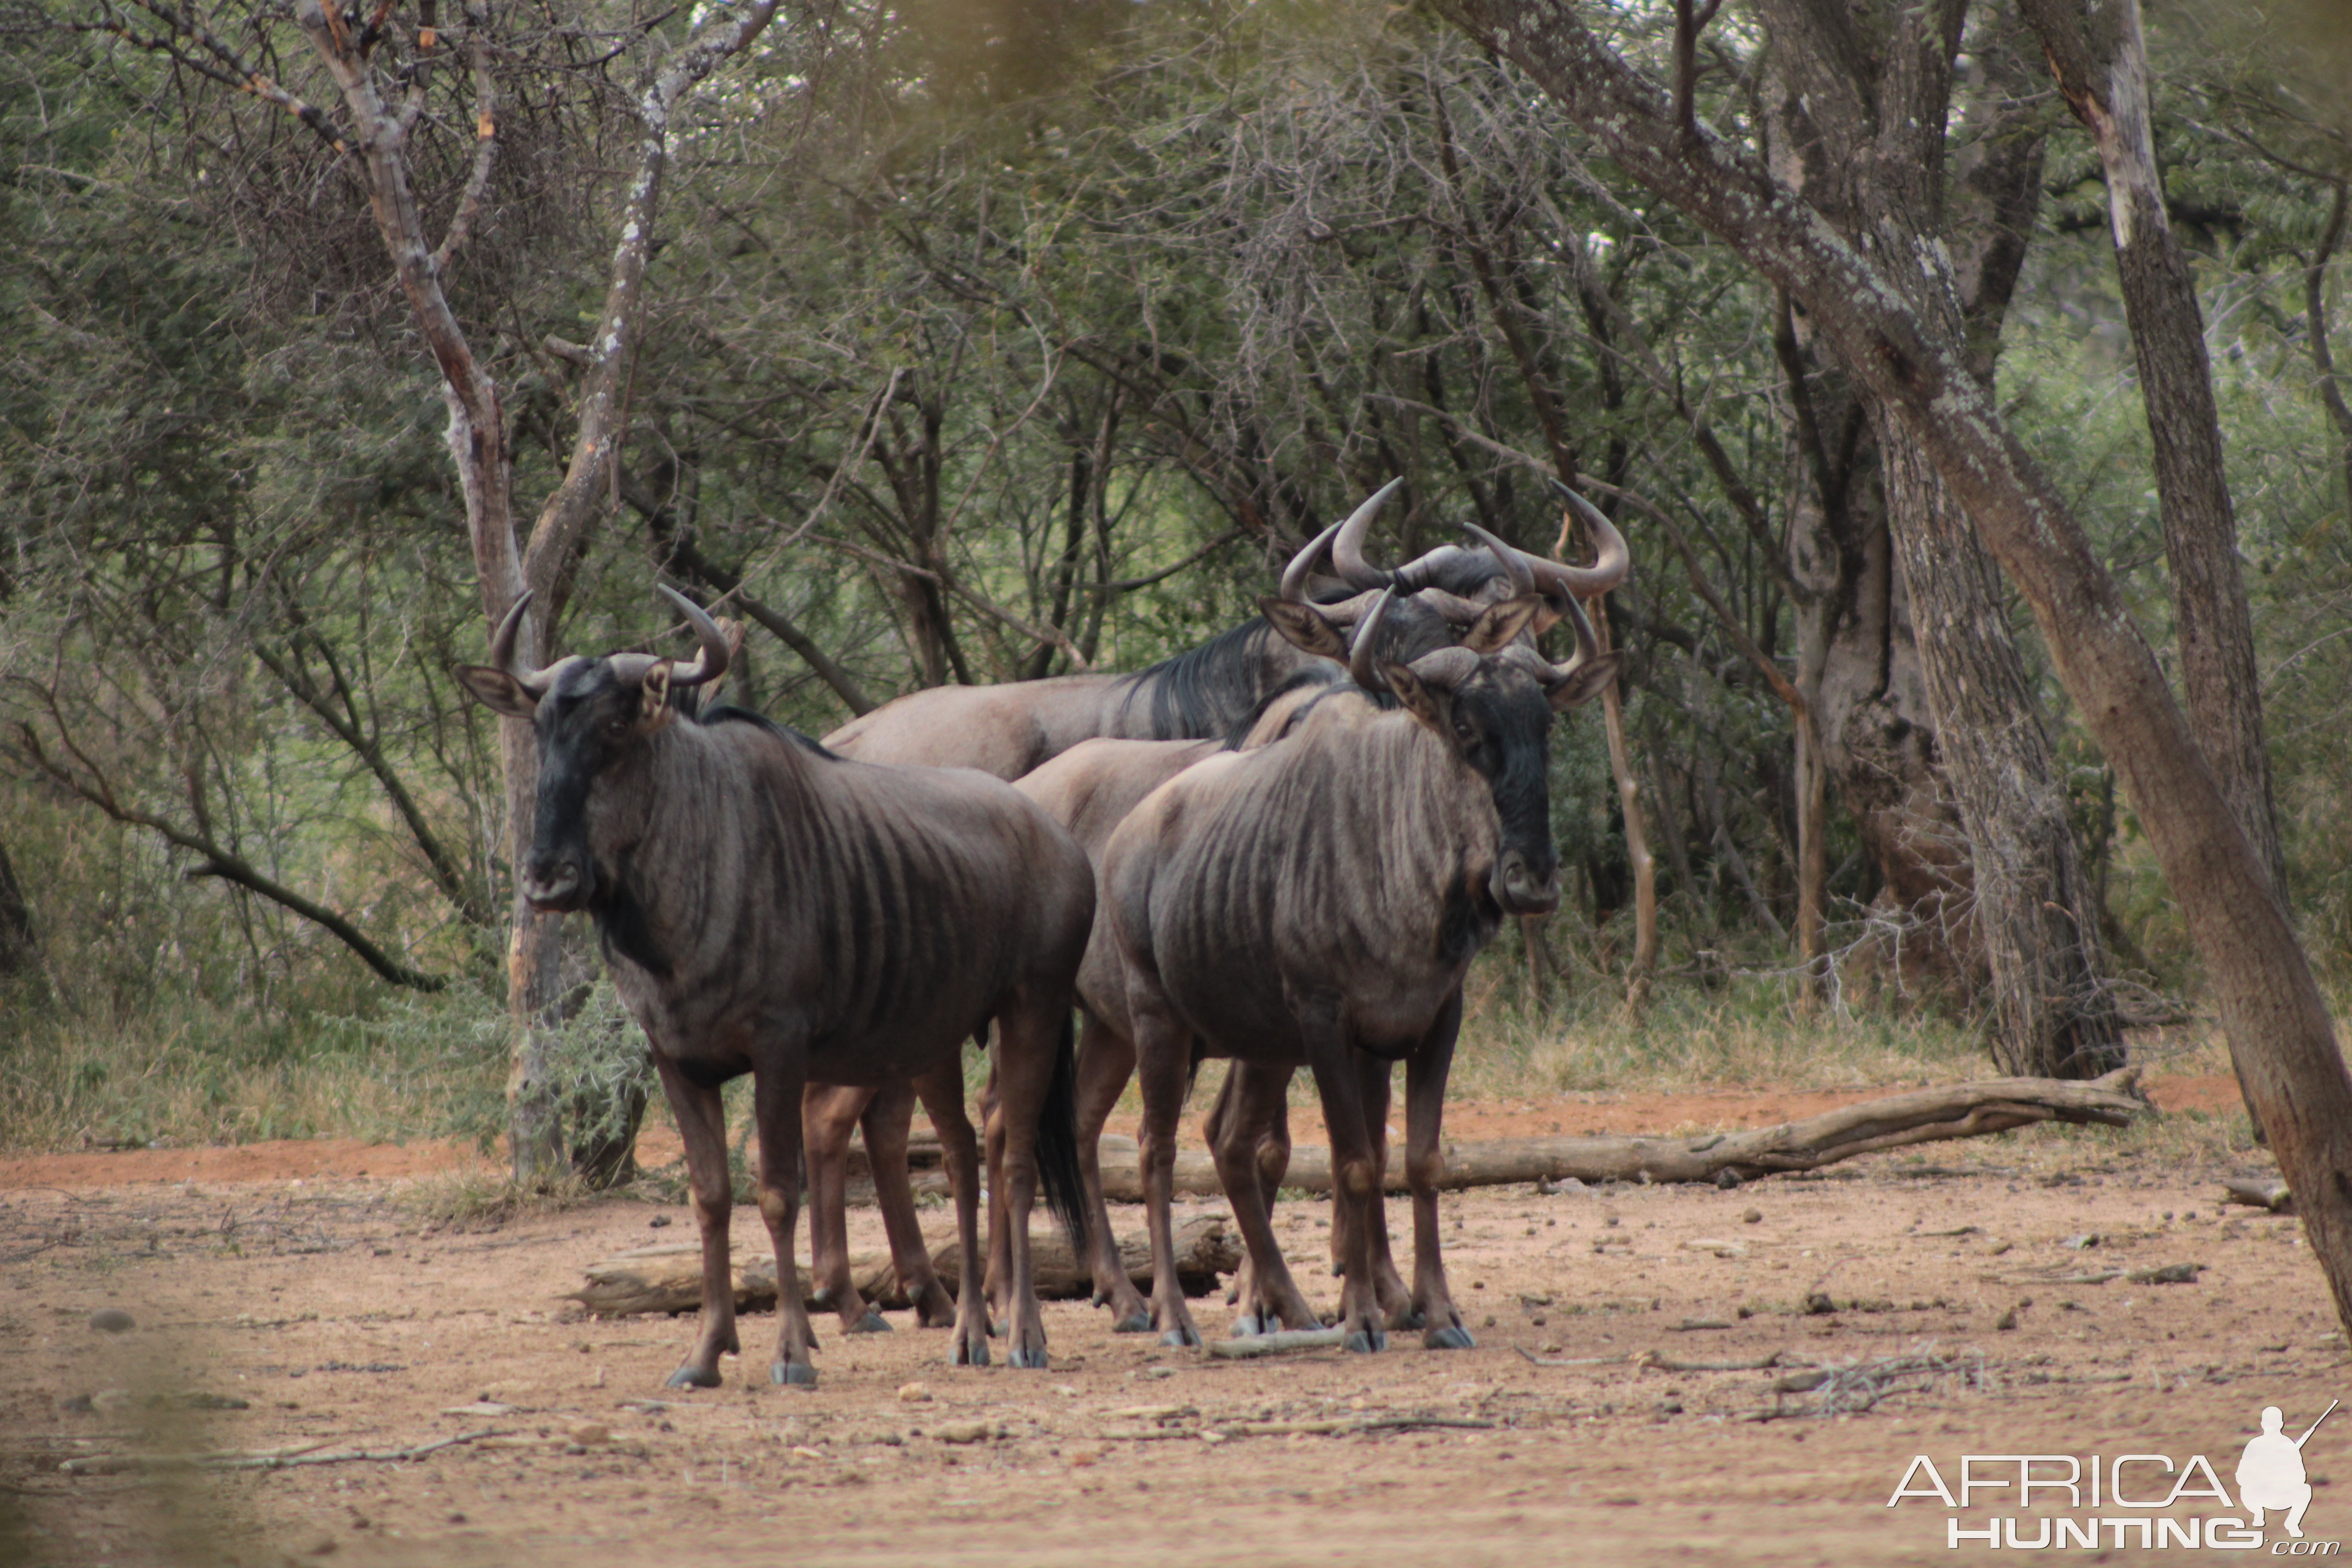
(2077, 1243)
(964, 1432)
(1818, 1304)
(1751, 1216)
(658, 1222)
(1727, 1179)
(1490, 1320)
(914, 1392)
(483, 1407)
(592, 1432)
(2007, 1321)
(112, 1320)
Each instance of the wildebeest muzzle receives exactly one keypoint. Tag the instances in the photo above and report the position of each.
(1519, 889)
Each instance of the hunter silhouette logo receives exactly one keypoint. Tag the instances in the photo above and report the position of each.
(2045, 1501)
(2271, 1475)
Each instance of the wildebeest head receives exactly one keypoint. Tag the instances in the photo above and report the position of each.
(1442, 597)
(1491, 698)
(595, 719)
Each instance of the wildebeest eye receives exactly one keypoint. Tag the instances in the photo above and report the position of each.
(1465, 732)
(618, 725)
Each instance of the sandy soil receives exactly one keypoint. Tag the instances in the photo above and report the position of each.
(282, 1280)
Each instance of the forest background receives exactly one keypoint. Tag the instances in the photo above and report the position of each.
(991, 339)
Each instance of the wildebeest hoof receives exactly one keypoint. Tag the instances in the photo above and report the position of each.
(1136, 1322)
(873, 1322)
(1248, 1326)
(973, 1352)
(1182, 1339)
(1029, 1359)
(792, 1374)
(1364, 1343)
(692, 1376)
(1453, 1337)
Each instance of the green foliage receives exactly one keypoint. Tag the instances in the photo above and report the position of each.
(950, 346)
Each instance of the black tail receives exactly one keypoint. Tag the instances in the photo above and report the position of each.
(1057, 1142)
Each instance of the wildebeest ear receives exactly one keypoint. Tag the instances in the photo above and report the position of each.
(497, 690)
(1502, 624)
(1420, 699)
(653, 696)
(1304, 626)
(1590, 679)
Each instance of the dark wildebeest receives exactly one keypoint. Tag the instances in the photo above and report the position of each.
(766, 907)
(1209, 692)
(1089, 789)
(1317, 902)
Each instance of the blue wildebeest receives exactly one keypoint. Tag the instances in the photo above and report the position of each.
(1205, 692)
(1256, 671)
(1317, 902)
(766, 907)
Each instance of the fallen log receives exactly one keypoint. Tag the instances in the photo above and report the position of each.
(1920, 1116)
(668, 1279)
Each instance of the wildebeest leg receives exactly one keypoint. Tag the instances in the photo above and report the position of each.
(1424, 1166)
(701, 1118)
(828, 1113)
(886, 1122)
(776, 1103)
(1388, 1285)
(1163, 1054)
(943, 1092)
(999, 1245)
(1260, 1124)
(1355, 1176)
(1273, 1300)
(1105, 1061)
(1029, 1039)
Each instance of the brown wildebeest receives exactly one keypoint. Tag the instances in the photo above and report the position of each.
(1317, 902)
(1088, 789)
(766, 907)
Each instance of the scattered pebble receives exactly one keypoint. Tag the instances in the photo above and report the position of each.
(914, 1392)
(112, 1320)
(1752, 1216)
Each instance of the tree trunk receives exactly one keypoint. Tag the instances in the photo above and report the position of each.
(2100, 61)
(2030, 920)
(504, 566)
(19, 950)
(2280, 1035)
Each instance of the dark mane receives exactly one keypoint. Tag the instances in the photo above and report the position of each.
(726, 713)
(1199, 693)
(1327, 677)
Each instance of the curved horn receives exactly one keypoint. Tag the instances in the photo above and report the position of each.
(502, 647)
(711, 662)
(1294, 576)
(1547, 674)
(1515, 565)
(1348, 547)
(1360, 666)
(1610, 562)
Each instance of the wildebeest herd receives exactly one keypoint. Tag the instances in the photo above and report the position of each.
(1282, 847)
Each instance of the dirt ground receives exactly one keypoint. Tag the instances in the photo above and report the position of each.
(288, 1299)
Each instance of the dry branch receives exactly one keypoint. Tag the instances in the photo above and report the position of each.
(115, 1464)
(1922, 1116)
(1276, 1343)
(669, 1278)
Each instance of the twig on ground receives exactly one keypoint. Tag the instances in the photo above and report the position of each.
(111, 1464)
